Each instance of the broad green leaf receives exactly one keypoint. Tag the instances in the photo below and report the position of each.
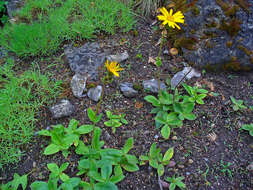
(91, 114)
(177, 107)
(64, 166)
(105, 186)
(108, 114)
(165, 132)
(202, 96)
(70, 184)
(73, 124)
(64, 177)
(153, 163)
(153, 151)
(106, 170)
(44, 133)
(128, 145)
(95, 175)
(189, 89)
(153, 100)
(81, 148)
(188, 107)
(19, 180)
(53, 168)
(95, 139)
(39, 185)
(84, 129)
(202, 91)
(145, 158)
(190, 116)
(160, 170)
(155, 110)
(51, 149)
(168, 154)
(200, 101)
(85, 185)
(172, 186)
(130, 167)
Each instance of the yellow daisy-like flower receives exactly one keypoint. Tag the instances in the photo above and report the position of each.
(170, 19)
(113, 68)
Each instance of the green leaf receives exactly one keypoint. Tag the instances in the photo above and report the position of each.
(152, 100)
(168, 154)
(190, 116)
(105, 186)
(177, 107)
(44, 133)
(51, 149)
(153, 163)
(109, 114)
(64, 177)
(145, 158)
(95, 175)
(200, 101)
(202, 96)
(95, 139)
(73, 124)
(106, 170)
(189, 89)
(39, 185)
(202, 91)
(84, 129)
(81, 148)
(155, 110)
(128, 145)
(19, 180)
(64, 166)
(153, 151)
(166, 98)
(130, 167)
(188, 107)
(165, 132)
(91, 114)
(160, 170)
(71, 184)
(172, 186)
(53, 168)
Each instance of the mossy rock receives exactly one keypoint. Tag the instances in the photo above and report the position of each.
(217, 34)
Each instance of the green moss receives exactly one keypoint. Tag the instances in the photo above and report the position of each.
(228, 8)
(233, 64)
(232, 27)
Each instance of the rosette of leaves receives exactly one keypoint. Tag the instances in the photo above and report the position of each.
(171, 110)
(196, 94)
(115, 121)
(248, 128)
(104, 166)
(63, 138)
(156, 159)
(15, 183)
(237, 104)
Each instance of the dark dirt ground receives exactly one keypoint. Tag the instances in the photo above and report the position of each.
(191, 141)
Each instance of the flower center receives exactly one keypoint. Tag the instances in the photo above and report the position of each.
(170, 18)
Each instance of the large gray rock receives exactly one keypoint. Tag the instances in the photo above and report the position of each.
(86, 59)
(216, 37)
(62, 109)
(13, 6)
(152, 85)
(118, 57)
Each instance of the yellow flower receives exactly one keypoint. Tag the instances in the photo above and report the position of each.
(170, 19)
(113, 68)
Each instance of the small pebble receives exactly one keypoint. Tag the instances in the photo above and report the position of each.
(174, 138)
(172, 164)
(190, 161)
(188, 173)
(34, 164)
(156, 136)
(180, 166)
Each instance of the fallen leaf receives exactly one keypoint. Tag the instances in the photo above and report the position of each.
(212, 137)
(138, 105)
(152, 60)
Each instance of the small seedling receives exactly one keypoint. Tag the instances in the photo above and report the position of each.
(115, 120)
(139, 56)
(196, 94)
(156, 159)
(15, 183)
(225, 168)
(249, 128)
(237, 104)
(175, 182)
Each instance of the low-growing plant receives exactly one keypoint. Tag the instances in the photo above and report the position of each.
(156, 159)
(248, 127)
(237, 104)
(15, 183)
(63, 138)
(171, 110)
(175, 182)
(98, 163)
(115, 120)
(225, 168)
(196, 94)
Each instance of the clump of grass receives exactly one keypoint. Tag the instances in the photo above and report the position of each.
(20, 99)
(42, 27)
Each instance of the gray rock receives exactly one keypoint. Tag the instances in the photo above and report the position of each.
(152, 85)
(213, 45)
(118, 57)
(95, 93)
(78, 84)
(187, 72)
(86, 59)
(62, 109)
(13, 6)
(127, 89)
